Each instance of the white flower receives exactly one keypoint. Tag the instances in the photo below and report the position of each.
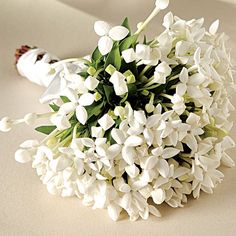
(162, 71)
(108, 34)
(106, 122)
(119, 82)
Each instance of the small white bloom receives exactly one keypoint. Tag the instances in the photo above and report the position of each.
(106, 122)
(108, 34)
(129, 55)
(91, 83)
(120, 85)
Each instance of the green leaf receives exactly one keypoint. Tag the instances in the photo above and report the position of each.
(54, 107)
(94, 110)
(128, 42)
(109, 91)
(65, 99)
(114, 58)
(45, 129)
(84, 74)
(144, 39)
(126, 24)
(96, 55)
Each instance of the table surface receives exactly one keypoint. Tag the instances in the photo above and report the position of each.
(62, 27)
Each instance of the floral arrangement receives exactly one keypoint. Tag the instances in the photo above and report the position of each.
(135, 120)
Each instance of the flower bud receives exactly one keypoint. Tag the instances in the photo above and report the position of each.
(91, 70)
(97, 96)
(22, 156)
(162, 4)
(149, 108)
(5, 124)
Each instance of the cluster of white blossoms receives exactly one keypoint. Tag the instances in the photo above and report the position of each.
(135, 120)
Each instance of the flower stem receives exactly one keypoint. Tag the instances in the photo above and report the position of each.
(147, 21)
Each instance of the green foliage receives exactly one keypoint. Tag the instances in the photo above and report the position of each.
(114, 58)
(46, 129)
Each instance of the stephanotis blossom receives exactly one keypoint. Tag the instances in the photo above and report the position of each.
(108, 35)
(136, 120)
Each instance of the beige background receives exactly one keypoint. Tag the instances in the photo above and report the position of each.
(25, 206)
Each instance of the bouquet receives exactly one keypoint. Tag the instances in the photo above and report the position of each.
(137, 123)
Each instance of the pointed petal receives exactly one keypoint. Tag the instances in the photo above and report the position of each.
(118, 33)
(81, 114)
(101, 28)
(105, 45)
(86, 99)
(214, 27)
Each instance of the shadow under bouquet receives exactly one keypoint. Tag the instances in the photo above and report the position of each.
(137, 120)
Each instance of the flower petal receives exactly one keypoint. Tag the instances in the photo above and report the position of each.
(86, 99)
(118, 33)
(81, 114)
(105, 45)
(214, 27)
(163, 168)
(106, 122)
(101, 28)
(129, 55)
(158, 196)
